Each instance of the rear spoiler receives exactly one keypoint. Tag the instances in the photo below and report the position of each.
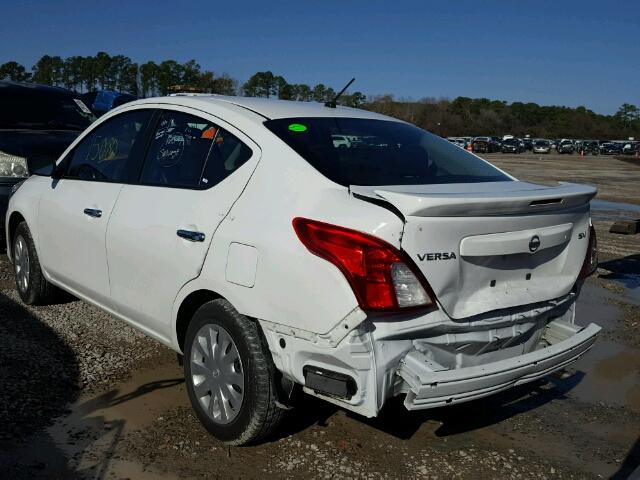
(510, 198)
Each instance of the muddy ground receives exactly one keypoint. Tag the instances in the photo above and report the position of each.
(617, 180)
(85, 396)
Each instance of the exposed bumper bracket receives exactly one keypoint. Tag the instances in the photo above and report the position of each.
(430, 385)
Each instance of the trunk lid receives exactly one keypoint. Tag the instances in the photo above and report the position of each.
(493, 245)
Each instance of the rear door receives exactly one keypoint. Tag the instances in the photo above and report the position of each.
(74, 212)
(161, 228)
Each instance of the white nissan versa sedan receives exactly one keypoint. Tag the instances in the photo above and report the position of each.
(236, 231)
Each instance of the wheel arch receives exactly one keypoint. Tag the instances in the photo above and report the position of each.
(188, 307)
(15, 219)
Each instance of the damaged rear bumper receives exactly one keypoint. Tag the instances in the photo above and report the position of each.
(428, 384)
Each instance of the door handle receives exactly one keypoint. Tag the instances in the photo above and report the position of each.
(93, 212)
(191, 236)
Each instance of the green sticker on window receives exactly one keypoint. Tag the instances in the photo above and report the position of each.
(297, 127)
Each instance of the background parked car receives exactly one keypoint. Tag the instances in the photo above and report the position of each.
(631, 148)
(511, 145)
(460, 142)
(101, 101)
(541, 146)
(485, 145)
(37, 123)
(610, 148)
(590, 147)
(565, 146)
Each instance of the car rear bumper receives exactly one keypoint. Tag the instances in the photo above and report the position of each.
(430, 385)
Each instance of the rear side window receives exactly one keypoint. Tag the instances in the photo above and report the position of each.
(189, 152)
(354, 151)
(111, 151)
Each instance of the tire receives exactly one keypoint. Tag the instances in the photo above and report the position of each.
(251, 412)
(32, 287)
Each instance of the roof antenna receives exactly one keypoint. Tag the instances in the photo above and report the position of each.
(332, 103)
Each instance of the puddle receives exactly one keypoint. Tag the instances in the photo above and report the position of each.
(595, 306)
(631, 281)
(603, 210)
(614, 206)
(82, 444)
(612, 376)
(612, 371)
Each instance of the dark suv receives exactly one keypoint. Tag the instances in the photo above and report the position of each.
(610, 148)
(485, 145)
(37, 123)
(589, 147)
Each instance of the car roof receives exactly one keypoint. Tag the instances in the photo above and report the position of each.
(16, 87)
(268, 108)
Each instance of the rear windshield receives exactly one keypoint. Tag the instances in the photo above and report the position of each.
(354, 151)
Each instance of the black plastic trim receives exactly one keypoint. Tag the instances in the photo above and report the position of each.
(381, 203)
(328, 382)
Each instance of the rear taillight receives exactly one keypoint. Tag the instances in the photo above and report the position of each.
(590, 264)
(381, 277)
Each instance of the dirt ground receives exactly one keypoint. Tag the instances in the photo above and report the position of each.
(87, 420)
(617, 180)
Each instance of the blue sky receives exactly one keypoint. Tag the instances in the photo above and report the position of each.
(550, 52)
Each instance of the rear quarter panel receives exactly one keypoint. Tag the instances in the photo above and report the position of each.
(292, 287)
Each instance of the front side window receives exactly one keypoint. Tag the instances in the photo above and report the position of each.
(190, 152)
(110, 151)
(355, 151)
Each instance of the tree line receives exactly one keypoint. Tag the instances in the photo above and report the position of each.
(481, 116)
(446, 117)
(118, 72)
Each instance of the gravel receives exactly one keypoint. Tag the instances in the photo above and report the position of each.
(330, 451)
(49, 354)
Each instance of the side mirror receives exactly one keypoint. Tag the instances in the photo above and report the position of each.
(43, 166)
(57, 170)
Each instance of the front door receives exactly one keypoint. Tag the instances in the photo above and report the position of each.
(75, 211)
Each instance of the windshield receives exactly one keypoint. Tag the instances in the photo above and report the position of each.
(542, 143)
(42, 110)
(380, 152)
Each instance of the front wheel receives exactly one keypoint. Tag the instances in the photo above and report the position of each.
(33, 288)
(230, 376)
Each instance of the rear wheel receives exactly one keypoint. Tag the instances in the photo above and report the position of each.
(230, 376)
(33, 288)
